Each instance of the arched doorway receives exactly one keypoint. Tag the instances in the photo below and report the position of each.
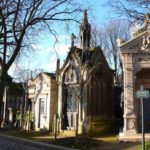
(70, 99)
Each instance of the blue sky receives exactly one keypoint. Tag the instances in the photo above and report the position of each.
(44, 56)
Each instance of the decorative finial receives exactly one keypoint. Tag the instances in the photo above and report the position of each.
(58, 63)
(120, 42)
(57, 69)
(85, 30)
(85, 19)
(72, 39)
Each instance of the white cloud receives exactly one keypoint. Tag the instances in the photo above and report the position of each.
(50, 67)
(36, 46)
(59, 50)
(62, 50)
(44, 58)
(64, 37)
(17, 71)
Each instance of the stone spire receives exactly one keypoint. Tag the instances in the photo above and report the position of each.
(85, 19)
(85, 30)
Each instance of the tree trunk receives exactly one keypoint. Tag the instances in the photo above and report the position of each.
(2, 87)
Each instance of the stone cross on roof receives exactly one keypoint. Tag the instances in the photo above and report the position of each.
(72, 39)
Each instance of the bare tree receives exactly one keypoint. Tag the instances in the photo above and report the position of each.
(97, 36)
(132, 9)
(19, 19)
(106, 37)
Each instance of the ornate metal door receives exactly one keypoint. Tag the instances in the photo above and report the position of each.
(72, 106)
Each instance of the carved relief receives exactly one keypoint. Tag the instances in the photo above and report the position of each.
(134, 46)
(141, 55)
(71, 76)
(146, 43)
(131, 124)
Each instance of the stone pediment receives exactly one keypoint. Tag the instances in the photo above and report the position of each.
(42, 77)
(140, 43)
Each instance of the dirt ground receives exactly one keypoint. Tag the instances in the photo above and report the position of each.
(109, 142)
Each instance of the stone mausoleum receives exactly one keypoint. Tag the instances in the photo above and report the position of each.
(135, 58)
(85, 87)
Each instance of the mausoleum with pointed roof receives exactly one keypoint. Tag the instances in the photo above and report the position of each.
(85, 86)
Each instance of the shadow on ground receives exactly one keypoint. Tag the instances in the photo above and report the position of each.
(101, 143)
(109, 142)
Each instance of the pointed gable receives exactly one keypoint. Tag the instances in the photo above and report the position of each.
(139, 43)
(140, 40)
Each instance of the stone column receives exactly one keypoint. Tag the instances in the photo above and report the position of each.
(10, 115)
(59, 105)
(80, 112)
(130, 121)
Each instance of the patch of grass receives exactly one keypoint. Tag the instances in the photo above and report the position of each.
(147, 146)
(80, 143)
(111, 142)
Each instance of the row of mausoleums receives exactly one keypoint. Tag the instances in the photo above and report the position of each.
(81, 96)
(81, 93)
(86, 97)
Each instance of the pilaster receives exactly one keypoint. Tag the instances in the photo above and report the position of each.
(130, 121)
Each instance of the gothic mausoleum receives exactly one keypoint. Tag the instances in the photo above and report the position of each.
(85, 87)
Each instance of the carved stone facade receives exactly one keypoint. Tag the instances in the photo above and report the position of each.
(84, 82)
(42, 94)
(135, 57)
